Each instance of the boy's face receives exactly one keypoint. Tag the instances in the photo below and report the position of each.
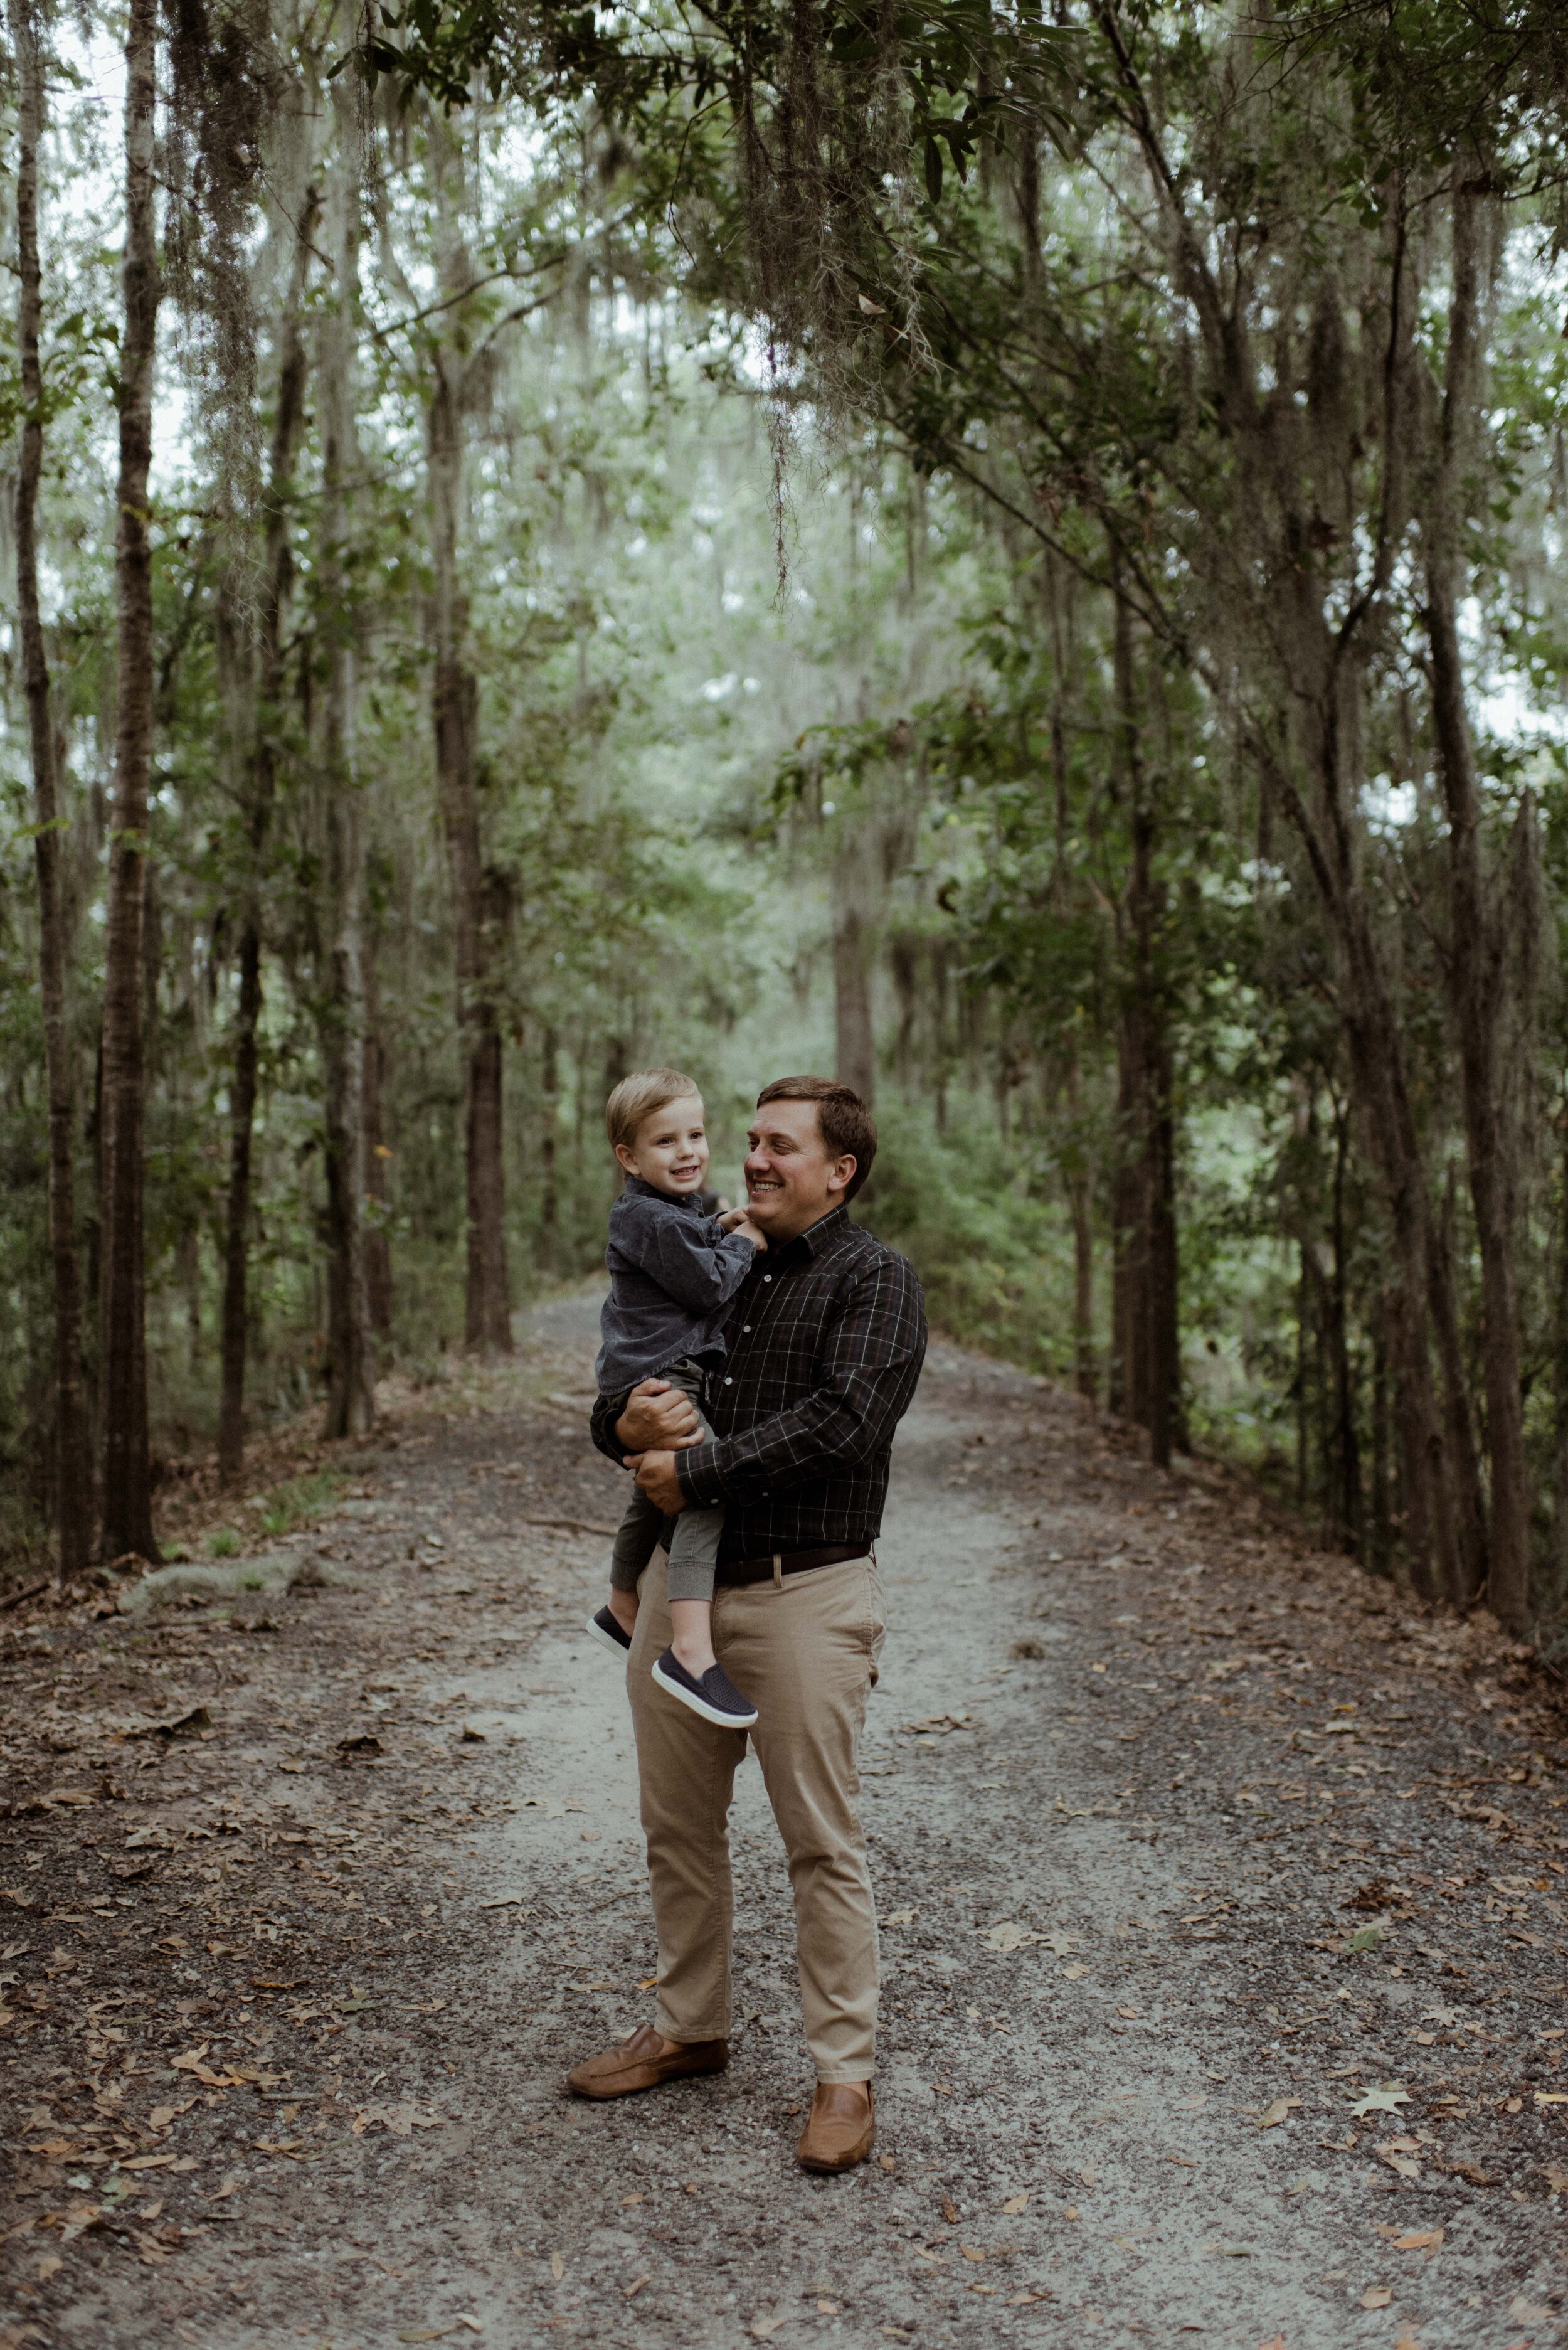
(672, 1147)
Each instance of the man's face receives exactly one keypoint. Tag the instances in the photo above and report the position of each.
(792, 1182)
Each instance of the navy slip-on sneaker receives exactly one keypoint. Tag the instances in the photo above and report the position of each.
(604, 1629)
(715, 1696)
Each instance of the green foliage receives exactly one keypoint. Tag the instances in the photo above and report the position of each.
(988, 1253)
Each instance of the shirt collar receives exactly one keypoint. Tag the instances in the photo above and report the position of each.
(817, 1236)
(644, 1191)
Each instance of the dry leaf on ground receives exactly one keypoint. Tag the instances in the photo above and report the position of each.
(1386, 2100)
(1280, 2111)
(1376, 2296)
(1007, 1936)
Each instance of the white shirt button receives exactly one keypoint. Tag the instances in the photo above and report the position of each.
(745, 1329)
(767, 1276)
(728, 1383)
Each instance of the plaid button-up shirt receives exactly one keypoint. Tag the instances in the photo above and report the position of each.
(825, 1341)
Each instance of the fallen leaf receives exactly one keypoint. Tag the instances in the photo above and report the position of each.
(1014, 2204)
(1075, 1974)
(827, 2309)
(557, 2267)
(950, 2209)
(1556, 2177)
(505, 1901)
(1419, 2240)
(637, 2283)
(50, 2265)
(181, 1725)
(1529, 2313)
(899, 1917)
(971, 2252)
(1007, 1936)
(1551, 2097)
(399, 2120)
(1274, 2342)
(1406, 2342)
(1376, 2296)
(1386, 2100)
(147, 2162)
(1131, 2015)
(762, 2327)
(230, 2185)
(1278, 2112)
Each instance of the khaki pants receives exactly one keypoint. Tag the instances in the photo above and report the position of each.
(805, 1651)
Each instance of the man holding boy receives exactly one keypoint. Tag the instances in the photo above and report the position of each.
(825, 1344)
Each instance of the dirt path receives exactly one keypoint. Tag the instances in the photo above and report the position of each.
(1223, 1925)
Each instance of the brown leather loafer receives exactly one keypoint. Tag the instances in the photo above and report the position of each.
(841, 2130)
(643, 2062)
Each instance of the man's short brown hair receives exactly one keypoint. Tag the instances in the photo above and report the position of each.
(639, 1097)
(848, 1128)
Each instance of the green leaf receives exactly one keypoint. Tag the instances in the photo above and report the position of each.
(934, 170)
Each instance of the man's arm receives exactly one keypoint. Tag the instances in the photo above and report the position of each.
(875, 1349)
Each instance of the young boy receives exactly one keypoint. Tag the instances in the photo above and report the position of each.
(673, 1271)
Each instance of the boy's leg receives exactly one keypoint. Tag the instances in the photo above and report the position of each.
(686, 1768)
(636, 1538)
(693, 1554)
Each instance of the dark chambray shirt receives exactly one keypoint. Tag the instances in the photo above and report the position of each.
(825, 1342)
(672, 1275)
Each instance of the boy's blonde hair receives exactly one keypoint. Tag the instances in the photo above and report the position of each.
(637, 1097)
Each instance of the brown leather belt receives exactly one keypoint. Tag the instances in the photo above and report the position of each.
(790, 1561)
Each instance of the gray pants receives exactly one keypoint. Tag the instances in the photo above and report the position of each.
(694, 1546)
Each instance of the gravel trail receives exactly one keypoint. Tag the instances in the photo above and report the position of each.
(1224, 1944)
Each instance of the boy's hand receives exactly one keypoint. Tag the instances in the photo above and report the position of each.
(657, 1418)
(738, 1221)
(731, 1218)
(656, 1478)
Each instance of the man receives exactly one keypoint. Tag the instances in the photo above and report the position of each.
(824, 1345)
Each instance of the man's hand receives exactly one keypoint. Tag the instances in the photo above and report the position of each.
(656, 1476)
(657, 1418)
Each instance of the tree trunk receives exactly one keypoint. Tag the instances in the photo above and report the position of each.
(1147, 1283)
(261, 784)
(1345, 1500)
(72, 1463)
(1382, 1513)
(1474, 953)
(855, 1060)
(126, 1515)
(549, 1114)
(350, 1403)
(378, 1242)
(455, 708)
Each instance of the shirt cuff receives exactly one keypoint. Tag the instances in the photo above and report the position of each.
(696, 1473)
